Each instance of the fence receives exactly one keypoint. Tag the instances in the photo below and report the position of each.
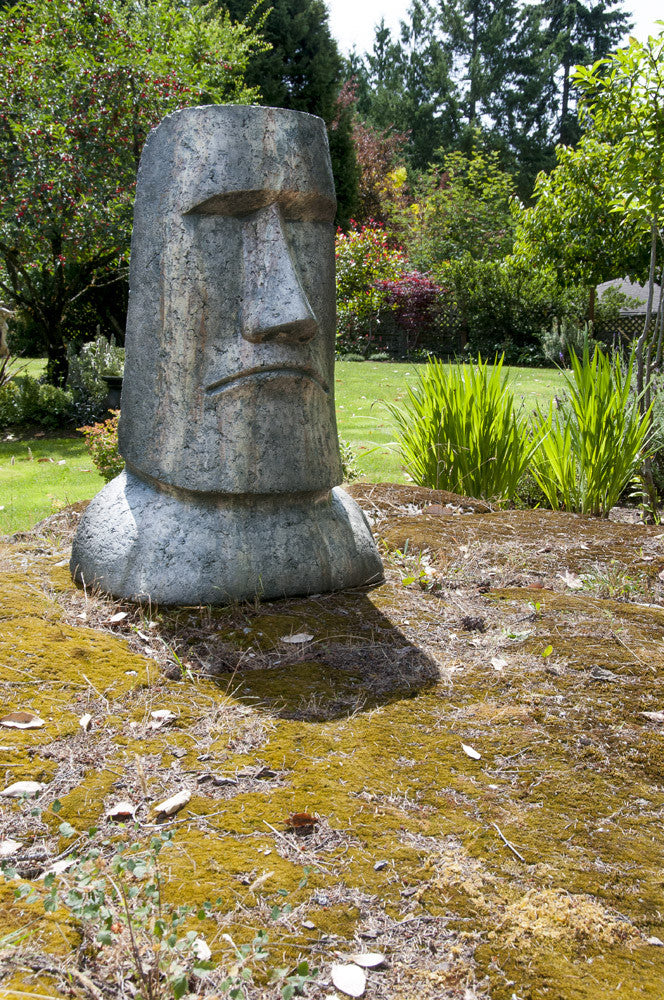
(622, 330)
(448, 337)
(444, 339)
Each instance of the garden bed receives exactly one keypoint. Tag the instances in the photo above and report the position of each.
(530, 867)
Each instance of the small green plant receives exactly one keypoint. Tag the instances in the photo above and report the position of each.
(590, 449)
(613, 580)
(132, 935)
(25, 400)
(460, 431)
(101, 440)
(349, 466)
(119, 908)
(565, 337)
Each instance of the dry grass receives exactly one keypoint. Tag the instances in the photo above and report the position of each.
(535, 638)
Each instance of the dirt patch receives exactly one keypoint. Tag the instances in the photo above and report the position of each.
(469, 739)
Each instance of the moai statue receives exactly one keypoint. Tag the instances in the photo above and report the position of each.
(227, 424)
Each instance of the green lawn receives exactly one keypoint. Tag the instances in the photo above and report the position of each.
(30, 489)
(363, 388)
(29, 366)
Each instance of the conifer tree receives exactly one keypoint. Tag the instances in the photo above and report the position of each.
(405, 85)
(302, 70)
(579, 32)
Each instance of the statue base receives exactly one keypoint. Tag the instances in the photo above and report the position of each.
(147, 543)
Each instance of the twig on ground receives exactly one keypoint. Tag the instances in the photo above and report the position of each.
(507, 843)
(40, 963)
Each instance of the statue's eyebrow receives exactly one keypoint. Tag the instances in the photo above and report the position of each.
(301, 206)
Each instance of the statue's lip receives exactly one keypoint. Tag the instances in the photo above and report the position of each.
(301, 371)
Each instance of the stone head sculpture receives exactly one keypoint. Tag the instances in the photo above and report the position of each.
(228, 426)
(230, 333)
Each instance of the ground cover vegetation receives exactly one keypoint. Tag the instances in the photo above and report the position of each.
(457, 771)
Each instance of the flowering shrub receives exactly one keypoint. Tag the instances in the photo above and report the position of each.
(101, 440)
(365, 256)
(82, 82)
(415, 300)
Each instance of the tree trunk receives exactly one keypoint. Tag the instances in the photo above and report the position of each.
(57, 368)
(644, 357)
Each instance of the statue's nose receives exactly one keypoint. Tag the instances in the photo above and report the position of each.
(274, 304)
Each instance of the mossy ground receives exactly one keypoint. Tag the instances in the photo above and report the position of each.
(533, 872)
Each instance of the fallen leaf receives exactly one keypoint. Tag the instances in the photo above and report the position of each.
(297, 638)
(20, 788)
(58, 867)
(170, 806)
(301, 821)
(571, 580)
(160, 717)
(118, 617)
(201, 949)
(653, 716)
(655, 941)
(8, 847)
(63, 461)
(163, 713)
(350, 979)
(602, 674)
(378, 867)
(264, 774)
(470, 752)
(22, 720)
(121, 811)
(497, 662)
(367, 959)
(85, 722)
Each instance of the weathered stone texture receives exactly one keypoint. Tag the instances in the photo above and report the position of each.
(228, 424)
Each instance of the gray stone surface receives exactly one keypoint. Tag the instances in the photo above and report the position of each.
(231, 323)
(227, 423)
(142, 543)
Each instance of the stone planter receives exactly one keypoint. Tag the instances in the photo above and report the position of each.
(114, 391)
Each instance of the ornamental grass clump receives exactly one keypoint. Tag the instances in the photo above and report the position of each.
(461, 431)
(590, 449)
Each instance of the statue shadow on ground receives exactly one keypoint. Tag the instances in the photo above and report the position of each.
(348, 657)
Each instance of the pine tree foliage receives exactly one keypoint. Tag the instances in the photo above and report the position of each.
(303, 70)
(501, 66)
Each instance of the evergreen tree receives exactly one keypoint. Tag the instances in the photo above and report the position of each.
(303, 71)
(482, 34)
(579, 32)
(405, 85)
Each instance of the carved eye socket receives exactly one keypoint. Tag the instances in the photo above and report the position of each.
(296, 206)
